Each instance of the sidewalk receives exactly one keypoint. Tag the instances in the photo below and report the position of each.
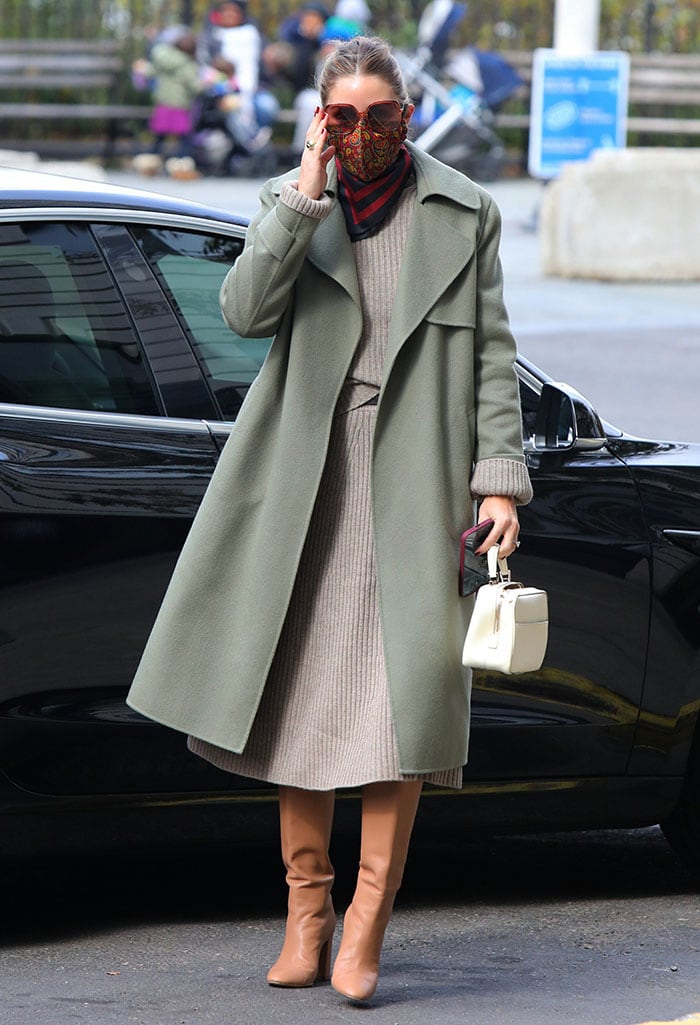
(544, 304)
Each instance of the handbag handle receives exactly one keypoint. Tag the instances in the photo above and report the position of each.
(498, 567)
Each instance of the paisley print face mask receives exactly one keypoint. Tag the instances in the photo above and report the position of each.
(368, 142)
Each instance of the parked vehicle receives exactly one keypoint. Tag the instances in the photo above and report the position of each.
(119, 385)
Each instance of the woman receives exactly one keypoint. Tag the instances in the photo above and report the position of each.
(312, 633)
(177, 86)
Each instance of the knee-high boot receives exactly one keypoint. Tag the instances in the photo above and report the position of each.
(306, 818)
(388, 814)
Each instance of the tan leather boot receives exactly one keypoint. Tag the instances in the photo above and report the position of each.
(388, 814)
(306, 817)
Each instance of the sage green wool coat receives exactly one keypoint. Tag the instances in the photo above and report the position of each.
(448, 412)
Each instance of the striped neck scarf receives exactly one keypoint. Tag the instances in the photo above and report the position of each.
(367, 204)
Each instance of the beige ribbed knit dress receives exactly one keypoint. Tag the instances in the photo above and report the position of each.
(325, 718)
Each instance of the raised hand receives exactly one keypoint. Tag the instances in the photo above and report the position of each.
(313, 174)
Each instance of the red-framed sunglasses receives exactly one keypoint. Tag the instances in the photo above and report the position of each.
(381, 116)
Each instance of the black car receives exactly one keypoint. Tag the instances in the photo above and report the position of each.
(120, 383)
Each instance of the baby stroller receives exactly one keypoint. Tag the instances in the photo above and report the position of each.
(457, 95)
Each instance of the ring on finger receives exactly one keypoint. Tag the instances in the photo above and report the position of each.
(310, 144)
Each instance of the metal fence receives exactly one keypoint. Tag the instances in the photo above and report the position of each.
(666, 25)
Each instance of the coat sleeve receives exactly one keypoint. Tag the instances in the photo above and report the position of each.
(258, 288)
(499, 461)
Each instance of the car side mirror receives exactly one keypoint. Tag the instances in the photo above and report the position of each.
(566, 420)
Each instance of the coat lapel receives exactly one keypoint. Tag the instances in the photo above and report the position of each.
(439, 246)
(331, 252)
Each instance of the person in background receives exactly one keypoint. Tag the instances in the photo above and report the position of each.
(217, 113)
(303, 31)
(142, 75)
(238, 40)
(177, 84)
(350, 18)
(289, 63)
(231, 34)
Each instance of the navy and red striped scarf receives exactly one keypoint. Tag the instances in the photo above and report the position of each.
(367, 204)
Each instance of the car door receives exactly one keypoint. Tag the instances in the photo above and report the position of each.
(104, 457)
(585, 541)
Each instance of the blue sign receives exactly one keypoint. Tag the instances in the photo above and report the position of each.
(579, 104)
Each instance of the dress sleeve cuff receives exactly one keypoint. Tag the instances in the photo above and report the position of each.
(318, 208)
(501, 477)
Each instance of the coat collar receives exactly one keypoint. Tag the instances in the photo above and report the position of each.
(441, 242)
(433, 178)
(438, 247)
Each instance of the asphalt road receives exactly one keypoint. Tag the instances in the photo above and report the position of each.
(597, 928)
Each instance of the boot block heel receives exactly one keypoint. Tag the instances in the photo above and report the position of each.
(324, 962)
(297, 967)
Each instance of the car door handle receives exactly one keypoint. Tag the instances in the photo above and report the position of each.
(688, 539)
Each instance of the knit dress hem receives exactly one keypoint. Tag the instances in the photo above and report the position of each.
(228, 761)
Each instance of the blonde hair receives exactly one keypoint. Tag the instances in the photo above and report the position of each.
(362, 55)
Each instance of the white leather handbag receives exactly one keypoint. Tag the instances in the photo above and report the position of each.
(509, 625)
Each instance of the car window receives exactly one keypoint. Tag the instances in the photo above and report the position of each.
(191, 267)
(65, 338)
